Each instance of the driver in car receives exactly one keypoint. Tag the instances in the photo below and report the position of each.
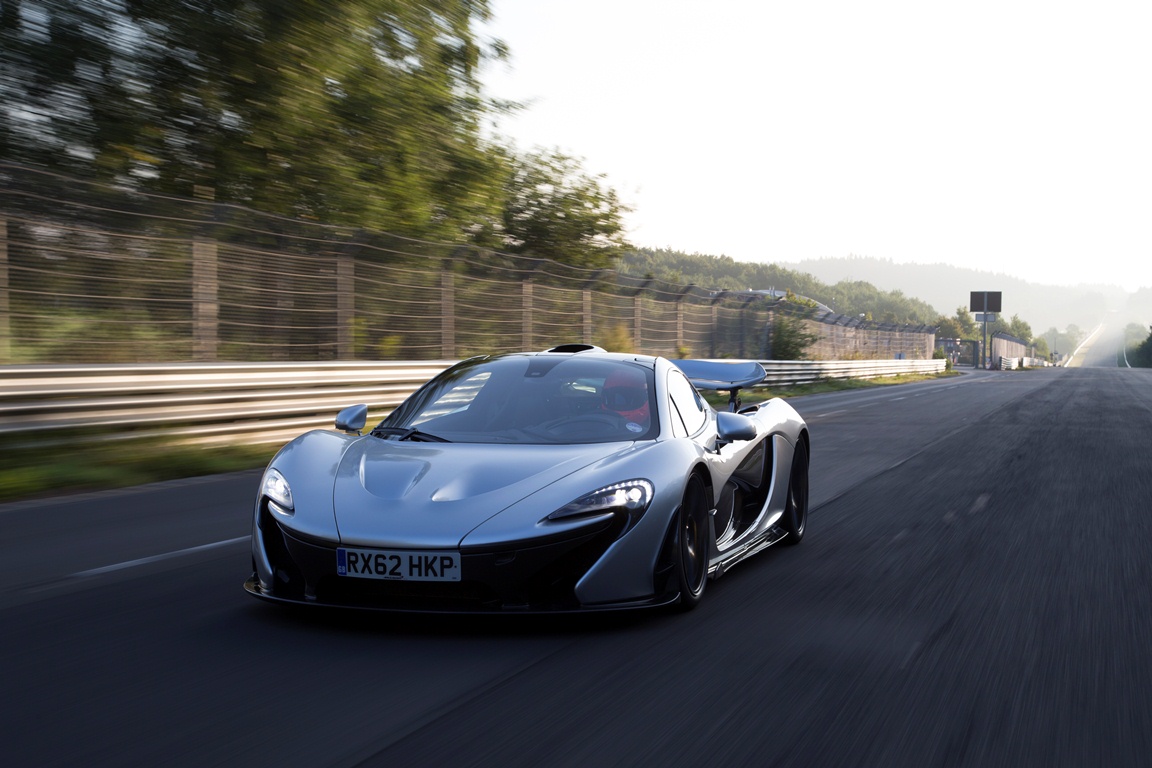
(625, 393)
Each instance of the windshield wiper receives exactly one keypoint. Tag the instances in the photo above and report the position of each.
(408, 433)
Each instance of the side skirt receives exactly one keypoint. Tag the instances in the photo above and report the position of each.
(773, 535)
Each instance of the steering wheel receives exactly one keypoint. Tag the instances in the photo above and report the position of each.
(584, 422)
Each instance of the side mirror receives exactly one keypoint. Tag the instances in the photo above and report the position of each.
(352, 419)
(733, 427)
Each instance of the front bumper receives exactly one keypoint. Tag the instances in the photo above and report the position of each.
(515, 577)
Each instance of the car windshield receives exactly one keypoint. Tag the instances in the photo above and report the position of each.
(544, 399)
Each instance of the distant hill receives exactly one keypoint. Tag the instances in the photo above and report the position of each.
(946, 287)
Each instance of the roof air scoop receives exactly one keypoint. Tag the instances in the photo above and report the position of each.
(571, 349)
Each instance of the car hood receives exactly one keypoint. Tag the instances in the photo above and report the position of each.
(428, 495)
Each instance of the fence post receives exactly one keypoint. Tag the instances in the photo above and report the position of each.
(205, 288)
(638, 314)
(5, 297)
(680, 345)
(447, 310)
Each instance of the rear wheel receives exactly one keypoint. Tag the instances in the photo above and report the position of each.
(692, 543)
(795, 518)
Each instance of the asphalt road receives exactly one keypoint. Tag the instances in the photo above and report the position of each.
(975, 589)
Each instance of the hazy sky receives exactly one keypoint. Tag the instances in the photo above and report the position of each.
(1010, 136)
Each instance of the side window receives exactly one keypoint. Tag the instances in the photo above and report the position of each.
(687, 402)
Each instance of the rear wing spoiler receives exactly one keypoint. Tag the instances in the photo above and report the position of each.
(722, 375)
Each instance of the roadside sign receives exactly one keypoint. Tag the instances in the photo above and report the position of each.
(985, 301)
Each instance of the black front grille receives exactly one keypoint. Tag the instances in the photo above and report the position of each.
(527, 578)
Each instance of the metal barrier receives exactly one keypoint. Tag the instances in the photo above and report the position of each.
(266, 402)
(787, 372)
(1015, 363)
(224, 402)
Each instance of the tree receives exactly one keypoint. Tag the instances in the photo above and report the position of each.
(362, 112)
(949, 328)
(65, 84)
(1013, 327)
(967, 323)
(856, 297)
(553, 209)
(1063, 343)
(1138, 346)
(852, 298)
(790, 338)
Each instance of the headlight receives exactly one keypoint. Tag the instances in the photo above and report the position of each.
(275, 488)
(630, 497)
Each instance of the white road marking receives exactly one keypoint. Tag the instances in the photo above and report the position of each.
(156, 558)
(980, 504)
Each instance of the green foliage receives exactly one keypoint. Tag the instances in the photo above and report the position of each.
(616, 338)
(1014, 327)
(116, 336)
(388, 347)
(65, 84)
(967, 323)
(938, 354)
(715, 272)
(41, 470)
(553, 209)
(363, 112)
(1138, 352)
(724, 273)
(857, 297)
(1063, 344)
(949, 328)
(790, 337)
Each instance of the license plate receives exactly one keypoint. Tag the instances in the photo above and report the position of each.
(398, 565)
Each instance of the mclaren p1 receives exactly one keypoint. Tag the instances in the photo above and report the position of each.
(566, 480)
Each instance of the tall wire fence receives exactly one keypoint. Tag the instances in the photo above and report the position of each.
(94, 273)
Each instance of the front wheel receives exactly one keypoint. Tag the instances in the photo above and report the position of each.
(795, 518)
(692, 543)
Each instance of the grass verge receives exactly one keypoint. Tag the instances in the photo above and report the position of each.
(34, 471)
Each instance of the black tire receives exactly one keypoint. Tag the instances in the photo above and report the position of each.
(795, 519)
(692, 543)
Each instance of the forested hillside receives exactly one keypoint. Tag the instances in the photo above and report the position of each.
(947, 287)
(848, 297)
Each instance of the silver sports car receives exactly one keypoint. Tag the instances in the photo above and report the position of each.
(567, 480)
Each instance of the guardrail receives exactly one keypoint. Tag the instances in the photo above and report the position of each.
(1015, 363)
(263, 402)
(790, 372)
(218, 402)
